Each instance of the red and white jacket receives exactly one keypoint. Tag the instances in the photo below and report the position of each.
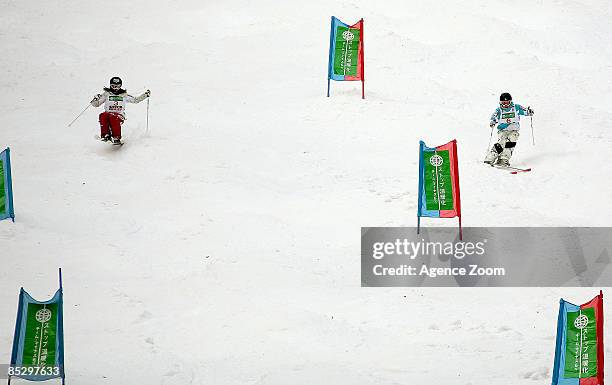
(116, 103)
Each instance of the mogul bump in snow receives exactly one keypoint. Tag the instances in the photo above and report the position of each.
(507, 118)
(114, 99)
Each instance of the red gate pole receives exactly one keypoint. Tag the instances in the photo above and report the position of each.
(362, 63)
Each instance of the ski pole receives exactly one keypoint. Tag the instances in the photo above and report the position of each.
(147, 129)
(79, 115)
(532, 137)
(490, 137)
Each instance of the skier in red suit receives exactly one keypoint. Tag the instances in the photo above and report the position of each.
(114, 99)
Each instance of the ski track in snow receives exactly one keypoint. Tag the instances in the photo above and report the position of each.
(223, 246)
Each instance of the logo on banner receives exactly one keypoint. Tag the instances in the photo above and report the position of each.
(43, 315)
(436, 160)
(581, 322)
(348, 35)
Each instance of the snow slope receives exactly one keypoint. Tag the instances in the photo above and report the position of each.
(223, 246)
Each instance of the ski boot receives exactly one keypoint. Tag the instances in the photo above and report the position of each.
(501, 162)
(116, 141)
(105, 138)
(491, 158)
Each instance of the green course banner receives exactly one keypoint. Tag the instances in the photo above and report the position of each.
(438, 180)
(40, 344)
(581, 344)
(346, 58)
(579, 347)
(3, 197)
(6, 186)
(346, 53)
(439, 195)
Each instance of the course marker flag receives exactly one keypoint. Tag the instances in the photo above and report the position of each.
(38, 345)
(6, 186)
(346, 53)
(579, 352)
(439, 183)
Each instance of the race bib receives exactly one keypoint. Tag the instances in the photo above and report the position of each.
(116, 104)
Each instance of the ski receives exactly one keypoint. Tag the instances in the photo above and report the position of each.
(520, 170)
(513, 170)
(121, 143)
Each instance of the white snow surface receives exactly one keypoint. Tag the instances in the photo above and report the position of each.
(223, 247)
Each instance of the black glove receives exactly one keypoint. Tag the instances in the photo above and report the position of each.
(147, 93)
(96, 98)
(529, 111)
(492, 124)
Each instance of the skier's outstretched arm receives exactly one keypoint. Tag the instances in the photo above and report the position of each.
(138, 99)
(98, 100)
(524, 111)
